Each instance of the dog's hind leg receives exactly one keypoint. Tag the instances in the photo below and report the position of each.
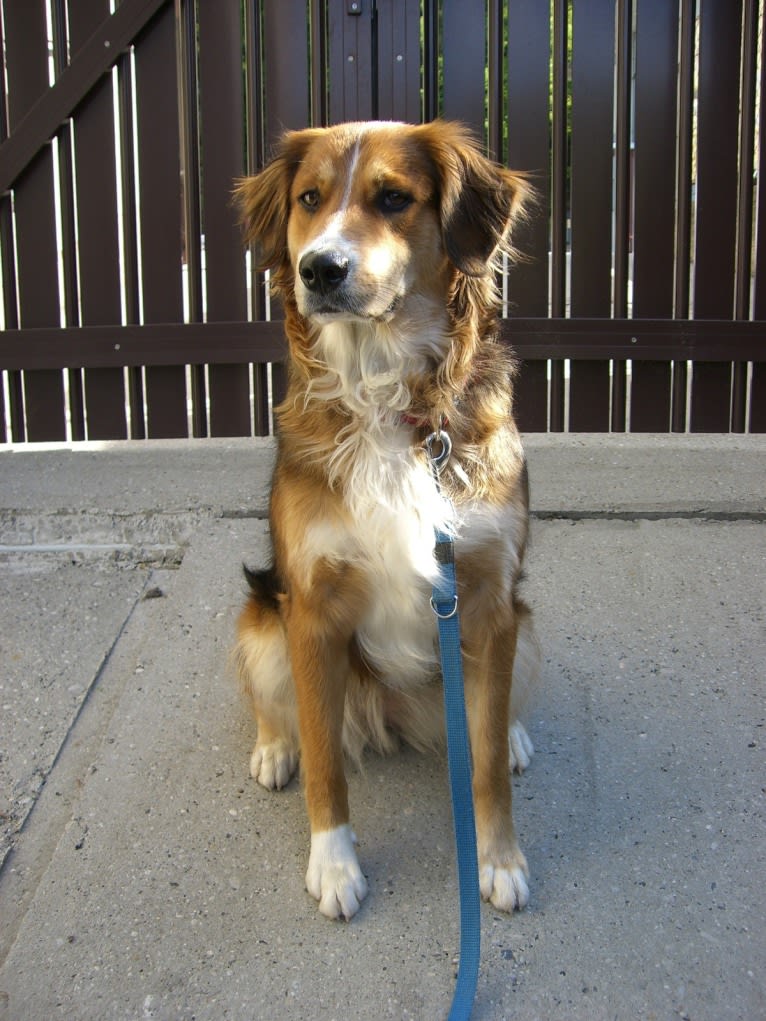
(263, 666)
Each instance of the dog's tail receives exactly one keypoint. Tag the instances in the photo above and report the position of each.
(527, 664)
(526, 675)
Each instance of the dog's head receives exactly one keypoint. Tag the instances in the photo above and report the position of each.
(357, 221)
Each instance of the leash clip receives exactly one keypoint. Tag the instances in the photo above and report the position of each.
(449, 614)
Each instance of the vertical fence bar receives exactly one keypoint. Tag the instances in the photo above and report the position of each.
(684, 165)
(399, 61)
(744, 251)
(350, 61)
(559, 207)
(129, 237)
(622, 212)
(222, 157)
(98, 229)
(318, 58)
(528, 116)
(160, 210)
(68, 210)
(15, 412)
(35, 218)
(188, 98)
(286, 82)
(463, 51)
(622, 215)
(593, 51)
(430, 59)
(757, 422)
(653, 226)
(717, 178)
(287, 85)
(495, 106)
(255, 160)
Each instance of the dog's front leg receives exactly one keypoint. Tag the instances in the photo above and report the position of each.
(320, 663)
(503, 868)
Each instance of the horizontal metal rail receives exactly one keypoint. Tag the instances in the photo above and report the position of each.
(262, 342)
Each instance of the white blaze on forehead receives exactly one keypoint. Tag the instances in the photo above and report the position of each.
(344, 204)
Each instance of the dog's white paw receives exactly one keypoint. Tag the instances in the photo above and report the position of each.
(334, 877)
(505, 884)
(520, 747)
(274, 763)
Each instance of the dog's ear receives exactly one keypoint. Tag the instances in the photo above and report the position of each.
(264, 201)
(478, 199)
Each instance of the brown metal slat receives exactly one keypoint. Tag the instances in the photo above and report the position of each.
(14, 413)
(654, 203)
(593, 42)
(757, 421)
(99, 246)
(528, 58)
(744, 252)
(130, 235)
(255, 159)
(188, 98)
(67, 205)
(431, 50)
(290, 92)
(397, 29)
(222, 158)
(286, 82)
(717, 173)
(559, 196)
(622, 196)
(35, 234)
(352, 72)
(464, 55)
(530, 395)
(529, 148)
(495, 98)
(683, 218)
(160, 189)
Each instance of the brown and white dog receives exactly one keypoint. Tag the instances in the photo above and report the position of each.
(383, 242)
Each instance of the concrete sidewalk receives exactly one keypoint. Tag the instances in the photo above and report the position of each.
(146, 876)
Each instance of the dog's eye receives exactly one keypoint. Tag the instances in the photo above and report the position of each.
(393, 201)
(309, 199)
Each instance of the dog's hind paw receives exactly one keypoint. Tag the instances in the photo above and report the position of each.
(274, 763)
(520, 747)
(334, 877)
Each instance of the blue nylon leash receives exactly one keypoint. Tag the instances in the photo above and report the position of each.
(444, 603)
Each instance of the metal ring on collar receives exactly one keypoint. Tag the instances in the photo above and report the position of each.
(438, 460)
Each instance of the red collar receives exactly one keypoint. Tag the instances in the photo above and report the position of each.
(418, 420)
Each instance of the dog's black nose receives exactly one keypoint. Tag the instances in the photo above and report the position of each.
(323, 272)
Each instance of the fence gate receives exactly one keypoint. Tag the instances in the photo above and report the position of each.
(130, 310)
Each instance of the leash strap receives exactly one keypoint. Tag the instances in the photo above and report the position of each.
(444, 602)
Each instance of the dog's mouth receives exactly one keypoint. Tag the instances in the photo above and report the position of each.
(349, 311)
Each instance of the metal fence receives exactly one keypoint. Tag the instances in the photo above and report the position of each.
(129, 307)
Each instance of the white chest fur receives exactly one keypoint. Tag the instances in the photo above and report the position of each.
(389, 536)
